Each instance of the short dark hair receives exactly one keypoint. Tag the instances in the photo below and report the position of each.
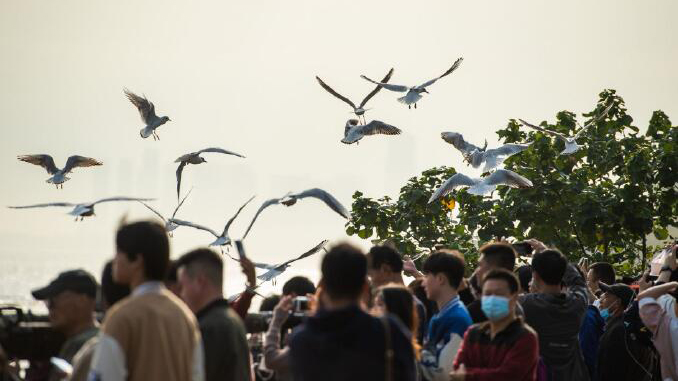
(298, 285)
(205, 261)
(524, 274)
(344, 272)
(172, 270)
(505, 275)
(112, 292)
(550, 264)
(147, 239)
(269, 303)
(500, 255)
(379, 255)
(450, 263)
(604, 272)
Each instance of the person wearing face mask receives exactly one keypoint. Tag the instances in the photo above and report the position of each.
(619, 357)
(503, 347)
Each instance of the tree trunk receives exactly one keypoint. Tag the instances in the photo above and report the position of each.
(644, 252)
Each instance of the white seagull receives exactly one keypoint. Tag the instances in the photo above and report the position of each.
(169, 225)
(476, 156)
(222, 239)
(359, 110)
(571, 145)
(82, 210)
(353, 131)
(147, 111)
(59, 175)
(277, 269)
(195, 158)
(414, 92)
(482, 186)
(291, 199)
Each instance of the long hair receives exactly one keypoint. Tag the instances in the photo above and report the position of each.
(399, 302)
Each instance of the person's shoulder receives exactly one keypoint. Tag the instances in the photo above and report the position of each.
(221, 317)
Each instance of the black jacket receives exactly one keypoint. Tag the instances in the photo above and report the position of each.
(349, 344)
(619, 355)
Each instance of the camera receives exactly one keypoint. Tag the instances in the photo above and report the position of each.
(522, 248)
(27, 336)
(259, 322)
(300, 304)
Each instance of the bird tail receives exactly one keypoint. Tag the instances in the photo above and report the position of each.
(145, 132)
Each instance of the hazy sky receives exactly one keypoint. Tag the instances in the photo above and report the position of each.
(240, 75)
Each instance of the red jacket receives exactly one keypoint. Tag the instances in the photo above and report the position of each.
(513, 354)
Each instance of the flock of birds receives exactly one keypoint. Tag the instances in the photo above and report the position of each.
(355, 129)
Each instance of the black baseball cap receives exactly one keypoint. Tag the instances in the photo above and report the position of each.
(78, 281)
(620, 290)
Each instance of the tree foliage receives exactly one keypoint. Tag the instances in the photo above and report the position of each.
(600, 202)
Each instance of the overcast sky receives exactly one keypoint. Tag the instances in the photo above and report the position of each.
(240, 75)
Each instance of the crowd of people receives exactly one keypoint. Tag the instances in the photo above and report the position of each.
(549, 320)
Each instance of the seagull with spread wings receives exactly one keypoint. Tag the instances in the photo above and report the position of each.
(359, 111)
(482, 186)
(82, 210)
(476, 156)
(353, 131)
(571, 145)
(59, 175)
(222, 239)
(195, 158)
(291, 199)
(169, 225)
(148, 116)
(414, 92)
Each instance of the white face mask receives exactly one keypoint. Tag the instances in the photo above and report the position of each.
(596, 303)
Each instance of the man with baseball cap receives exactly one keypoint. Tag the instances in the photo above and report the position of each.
(71, 299)
(620, 357)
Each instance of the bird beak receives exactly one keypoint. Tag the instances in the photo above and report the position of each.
(426, 91)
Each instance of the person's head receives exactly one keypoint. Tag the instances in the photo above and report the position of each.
(172, 278)
(71, 299)
(417, 288)
(524, 274)
(548, 268)
(111, 292)
(299, 286)
(344, 273)
(269, 303)
(500, 294)
(397, 300)
(384, 265)
(142, 253)
(615, 299)
(443, 272)
(200, 275)
(600, 272)
(493, 256)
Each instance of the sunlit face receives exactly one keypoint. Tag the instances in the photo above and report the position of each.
(377, 276)
(483, 267)
(592, 281)
(379, 307)
(66, 308)
(432, 284)
(123, 268)
(611, 302)
(500, 287)
(190, 289)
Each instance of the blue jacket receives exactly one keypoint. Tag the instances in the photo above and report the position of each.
(589, 336)
(453, 318)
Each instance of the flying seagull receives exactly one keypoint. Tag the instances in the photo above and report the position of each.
(59, 175)
(82, 210)
(195, 158)
(147, 111)
(481, 186)
(414, 92)
(360, 110)
(291, 199)
(353, 131)
(476, 156)
(222, 239)
(169, 225)
(571, 145)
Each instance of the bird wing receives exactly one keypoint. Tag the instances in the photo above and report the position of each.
(192, 225)
(327, 198)
(120, 198)
(378, 127)
(376, 89)
(220, 150)
(314, 250)
(228, 224)
(457, 140)
(336, 94)
(45, 161)
(80, 161)
(457, 180)
(43, 205)
(597, 119)
(180, 169)
(154, 211)
(507, 149)
(387, 86)
(454, 67)
(552, 133)
(263, 206)
(146, 108)
(181, 203)
(506, 177)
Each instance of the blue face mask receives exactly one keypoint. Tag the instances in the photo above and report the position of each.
(495, 307)
(605, 313)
